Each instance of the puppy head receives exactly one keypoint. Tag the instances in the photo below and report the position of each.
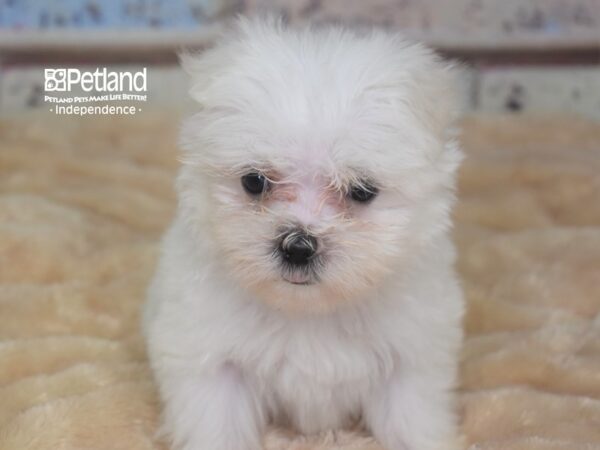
(319, 163)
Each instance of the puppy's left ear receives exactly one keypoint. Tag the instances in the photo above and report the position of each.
(440, 96)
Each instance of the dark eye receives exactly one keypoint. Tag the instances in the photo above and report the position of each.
(363, 192)
(254, 183)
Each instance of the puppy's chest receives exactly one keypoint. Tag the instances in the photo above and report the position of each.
(318, 377)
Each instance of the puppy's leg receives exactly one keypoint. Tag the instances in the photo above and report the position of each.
(212, 412)
(413, 411)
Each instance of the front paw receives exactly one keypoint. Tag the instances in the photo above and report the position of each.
(410, 413)
(215, 412)
(214, 435)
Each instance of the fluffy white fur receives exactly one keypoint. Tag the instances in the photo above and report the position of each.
(235, 346)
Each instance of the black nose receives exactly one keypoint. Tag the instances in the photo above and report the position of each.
(298, 247)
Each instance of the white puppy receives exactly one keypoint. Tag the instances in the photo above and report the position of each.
(307, 279)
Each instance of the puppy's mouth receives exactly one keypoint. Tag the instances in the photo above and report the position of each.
(298, 278)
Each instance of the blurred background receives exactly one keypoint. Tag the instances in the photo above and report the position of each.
(84, 202)
(520, 55)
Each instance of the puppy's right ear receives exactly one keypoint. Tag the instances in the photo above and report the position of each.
(207, 67)
(188, 60)
(195, 64)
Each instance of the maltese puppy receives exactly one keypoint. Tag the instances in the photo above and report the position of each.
(307, 279)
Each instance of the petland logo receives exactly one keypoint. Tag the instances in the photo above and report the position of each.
(99, 87)
(101, 80)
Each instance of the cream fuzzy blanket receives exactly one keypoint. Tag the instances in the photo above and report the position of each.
(83, 203)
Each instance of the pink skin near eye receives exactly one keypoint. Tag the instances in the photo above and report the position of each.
(309, 200)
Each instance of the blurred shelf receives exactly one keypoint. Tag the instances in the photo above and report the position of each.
(518, 42)
(160, 46)
(130, 40)
(117, 41)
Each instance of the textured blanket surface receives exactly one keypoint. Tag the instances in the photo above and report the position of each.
(83, 203)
